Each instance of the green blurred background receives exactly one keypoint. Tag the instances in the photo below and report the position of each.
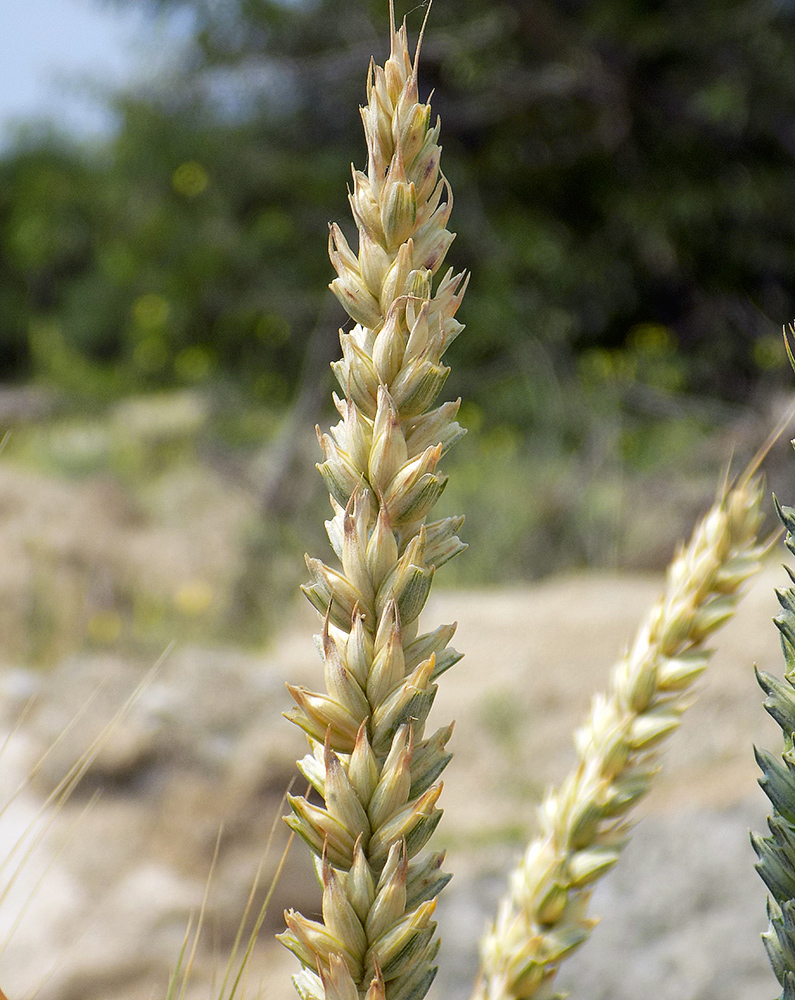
(624, 175)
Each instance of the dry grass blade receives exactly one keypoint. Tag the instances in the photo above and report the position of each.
(186, 973)
(42, 877)
(233, 983)
(254, 934)
(41, 823)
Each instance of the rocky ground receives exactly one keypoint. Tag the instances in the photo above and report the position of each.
(98, 909)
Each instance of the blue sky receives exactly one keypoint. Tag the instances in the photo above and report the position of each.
(53, 53)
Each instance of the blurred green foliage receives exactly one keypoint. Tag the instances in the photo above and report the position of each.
(623, 174)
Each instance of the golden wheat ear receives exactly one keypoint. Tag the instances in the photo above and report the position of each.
(583, 825)
(370, 761)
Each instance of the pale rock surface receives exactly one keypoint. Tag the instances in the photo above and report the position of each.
(204, 743)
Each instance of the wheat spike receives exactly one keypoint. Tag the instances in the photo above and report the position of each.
(370, 761)
(583, 824)
(776, 853)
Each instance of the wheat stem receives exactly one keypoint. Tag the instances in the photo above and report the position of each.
(370, 761)
(583, 824)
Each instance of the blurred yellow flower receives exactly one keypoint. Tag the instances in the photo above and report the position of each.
(194, 597)
(190, 179)
(104, 627)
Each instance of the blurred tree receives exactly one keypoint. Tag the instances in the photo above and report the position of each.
(623, 173)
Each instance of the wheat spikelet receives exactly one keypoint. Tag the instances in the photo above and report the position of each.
(370, 761)
(583, 824)
(776, 853)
